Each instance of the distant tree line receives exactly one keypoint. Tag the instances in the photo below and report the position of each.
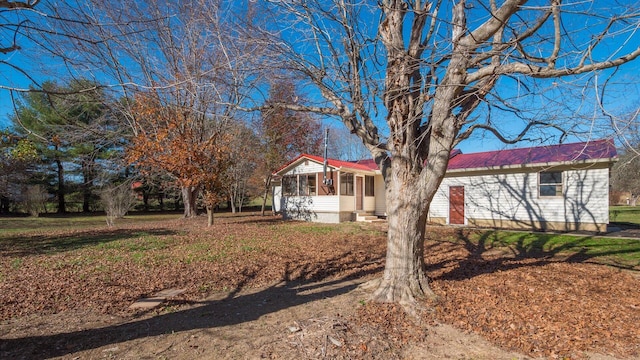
(72, 149)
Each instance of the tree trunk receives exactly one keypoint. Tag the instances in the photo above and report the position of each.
(232, 202)
(240, 197)
(62, 208)
(87, 184)
(267, 187)
(264, 201)
(145, 199)
(189, 197)
(404, 277)
(209, 215)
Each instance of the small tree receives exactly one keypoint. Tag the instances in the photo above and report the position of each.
(34, 198)
(192, 148)
(243, 161)
(19, 159)
(116, 201)
(625, 175)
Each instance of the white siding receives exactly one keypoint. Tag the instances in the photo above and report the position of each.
(369, 204)
(515, 197)
(277, 196)
(347, 203)
(306, 167)
(325, 203)
(379, 191)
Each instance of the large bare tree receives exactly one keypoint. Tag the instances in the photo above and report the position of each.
(428, 74)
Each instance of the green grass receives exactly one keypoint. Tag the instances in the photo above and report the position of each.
(72, 221)
(25, 235)
(625, 214)
(624, 252)
(158, 245)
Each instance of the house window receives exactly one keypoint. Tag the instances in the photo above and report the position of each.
(550, 183)
(307, 185)
(368, 186)
(346, 184)
(289, 185)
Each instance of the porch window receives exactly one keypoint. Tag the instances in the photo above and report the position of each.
(368, 186)
(289, 185)
(550, 183)
(307, 185)
(346, 184)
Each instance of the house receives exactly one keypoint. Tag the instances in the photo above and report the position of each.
(559, 187)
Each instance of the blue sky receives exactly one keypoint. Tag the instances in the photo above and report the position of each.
(622, 94)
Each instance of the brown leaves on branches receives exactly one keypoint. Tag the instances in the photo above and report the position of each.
(190, 146)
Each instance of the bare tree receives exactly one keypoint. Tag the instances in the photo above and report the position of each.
(438, 71)
(342, 145)
(244, 158)
(34, 198)
(116, 201)
(625, 172)
(284, 133)
(190, 55)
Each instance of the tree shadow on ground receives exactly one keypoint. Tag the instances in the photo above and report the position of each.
(233, 308)
(487, 254)
(252, 219)
(33, 244)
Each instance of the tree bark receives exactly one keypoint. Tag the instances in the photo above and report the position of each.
(189, 197)
(87, 183)
(62, 208)
(209, 215)
(267, 186)
(404, 277)
(232, 202)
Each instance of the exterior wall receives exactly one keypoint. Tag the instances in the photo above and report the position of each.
(369, 204)
(381, 201)
(276, 197)
(507, 200)
(347, 203)
(511, 200)
(311, 208)
(306, 167)
(320, 208)
(321, 217)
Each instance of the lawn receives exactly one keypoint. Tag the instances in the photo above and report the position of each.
(517, 289)
(624, 253)
(625, 214)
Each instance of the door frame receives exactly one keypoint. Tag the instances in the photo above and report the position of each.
(359, 193)
(458, 208)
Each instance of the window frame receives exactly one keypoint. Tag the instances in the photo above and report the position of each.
(304, 187)
(369, 188)
(550, 184)
(300, 185)
(347, 183)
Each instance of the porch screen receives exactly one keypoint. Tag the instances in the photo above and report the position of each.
(346, 184)
(307, 185)
(289, 185)
(368, 186)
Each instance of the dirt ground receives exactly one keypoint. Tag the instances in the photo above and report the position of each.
(492, 305)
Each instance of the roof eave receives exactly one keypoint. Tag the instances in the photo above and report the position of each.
(359, 171)
(534, 165)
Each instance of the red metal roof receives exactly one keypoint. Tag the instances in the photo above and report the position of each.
(592, 150)
(366, 166)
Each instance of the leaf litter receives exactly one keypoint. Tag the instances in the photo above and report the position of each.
(532, 305)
